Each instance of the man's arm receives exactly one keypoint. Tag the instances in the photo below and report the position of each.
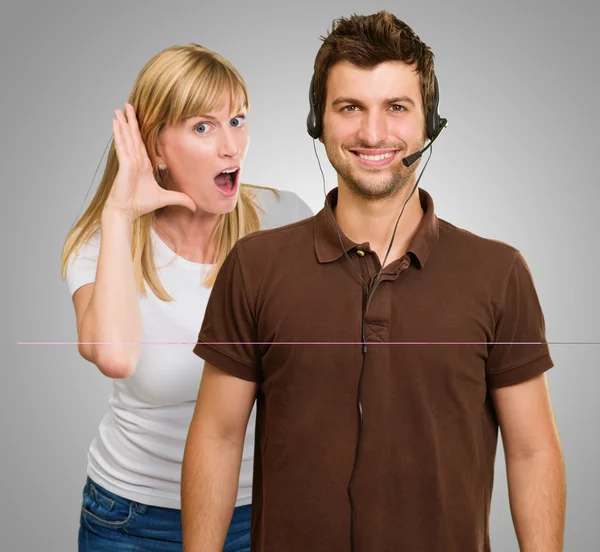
(212, 458)
(534, 464)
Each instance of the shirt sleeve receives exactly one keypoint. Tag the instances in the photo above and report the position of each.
(227, 338)
(520, 350)
(81, 268)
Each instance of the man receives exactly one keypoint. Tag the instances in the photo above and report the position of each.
(381, 373)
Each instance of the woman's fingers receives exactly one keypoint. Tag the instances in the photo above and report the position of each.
(135, 186)
(127, 140)
(134, 129)
(120, 146)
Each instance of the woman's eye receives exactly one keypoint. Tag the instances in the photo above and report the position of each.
(238, 121)
(202, 128)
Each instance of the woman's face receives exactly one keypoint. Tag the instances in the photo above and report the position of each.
(204, 157)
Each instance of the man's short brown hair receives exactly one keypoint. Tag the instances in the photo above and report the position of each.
(368, 40)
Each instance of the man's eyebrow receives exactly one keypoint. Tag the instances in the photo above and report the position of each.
(401, 99)
(354, 101)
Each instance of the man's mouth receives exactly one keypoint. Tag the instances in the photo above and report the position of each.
(375, 158)
(227, 181)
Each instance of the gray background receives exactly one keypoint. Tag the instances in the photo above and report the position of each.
(518, 85)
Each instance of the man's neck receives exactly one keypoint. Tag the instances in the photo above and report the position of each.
(365, 220)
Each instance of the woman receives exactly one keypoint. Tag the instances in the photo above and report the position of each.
(140, 264)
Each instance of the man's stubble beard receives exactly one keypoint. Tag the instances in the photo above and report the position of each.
(375, 185)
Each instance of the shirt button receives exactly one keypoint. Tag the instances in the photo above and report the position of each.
(360, 252)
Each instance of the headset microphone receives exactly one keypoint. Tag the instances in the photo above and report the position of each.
(409, 160)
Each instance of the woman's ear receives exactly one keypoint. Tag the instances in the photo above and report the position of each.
(159, 147)
(159, 161)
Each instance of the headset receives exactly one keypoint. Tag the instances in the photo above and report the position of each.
(434, 124)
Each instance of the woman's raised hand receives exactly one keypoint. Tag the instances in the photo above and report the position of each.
(135, 190)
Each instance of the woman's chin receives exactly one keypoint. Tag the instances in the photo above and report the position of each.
(223, 204)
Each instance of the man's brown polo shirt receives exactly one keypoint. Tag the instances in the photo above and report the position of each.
(424, 473)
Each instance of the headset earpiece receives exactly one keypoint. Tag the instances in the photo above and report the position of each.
(313, 121)
(434, 123)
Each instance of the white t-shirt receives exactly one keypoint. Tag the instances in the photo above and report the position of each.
(138, 451)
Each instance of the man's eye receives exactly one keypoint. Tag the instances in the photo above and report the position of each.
(350, 108)
(238, 121)
(396, 107)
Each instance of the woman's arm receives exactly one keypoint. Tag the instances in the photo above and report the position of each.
(109, 325)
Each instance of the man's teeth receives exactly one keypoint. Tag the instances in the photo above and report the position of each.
(376, 157)
(228, 171)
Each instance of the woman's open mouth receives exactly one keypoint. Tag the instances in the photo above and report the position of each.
(227, 181)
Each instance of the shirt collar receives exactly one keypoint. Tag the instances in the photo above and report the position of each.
(328, 236)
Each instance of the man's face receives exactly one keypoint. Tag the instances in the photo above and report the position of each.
(373, 118)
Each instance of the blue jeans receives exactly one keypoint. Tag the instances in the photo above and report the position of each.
(110, 522)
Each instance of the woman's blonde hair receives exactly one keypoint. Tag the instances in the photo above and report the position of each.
(176, 84)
